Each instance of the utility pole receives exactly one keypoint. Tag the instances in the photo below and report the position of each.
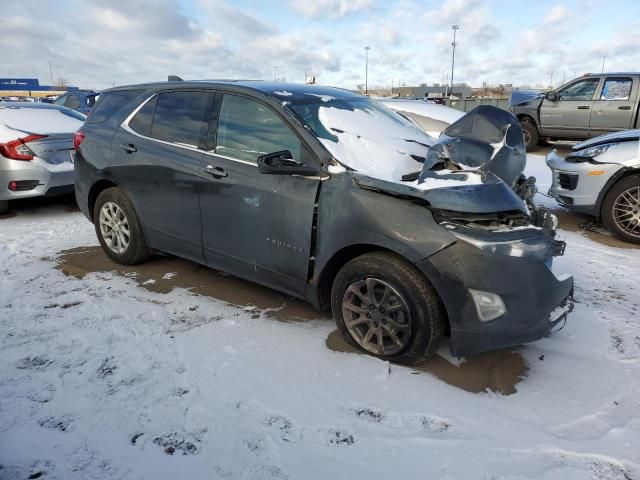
(455, 28)
(392, 87)
(51, 72)
(275, 74)
(366, 70)
(604, 59)
(551, 79)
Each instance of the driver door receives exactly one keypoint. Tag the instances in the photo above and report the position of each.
(256, 225)
(569, 114)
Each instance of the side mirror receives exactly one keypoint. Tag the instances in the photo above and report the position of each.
(552, 96)
(282, 163)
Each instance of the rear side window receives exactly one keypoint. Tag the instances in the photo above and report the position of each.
(60, 100)
(73, 101)
(248, 129)
(180, 117)
(141, 122)
(616, 89)
(109, 103)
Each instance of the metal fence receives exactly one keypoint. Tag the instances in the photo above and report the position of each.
(468, 104)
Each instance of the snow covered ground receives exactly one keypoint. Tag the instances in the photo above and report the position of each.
(102, 378)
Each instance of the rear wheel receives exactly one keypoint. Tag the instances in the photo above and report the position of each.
(621, 209)
(530, 134)
(4, 206)
(118, 228)
(385, 307)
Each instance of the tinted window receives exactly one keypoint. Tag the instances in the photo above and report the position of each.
(247, 129)
(109, 103)
(141, 122)
(616, 89)
(582, 90)
(73, 101)
(180, 117)
(60, 100)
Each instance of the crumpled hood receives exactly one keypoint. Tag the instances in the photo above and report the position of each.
(519, 97)
(613, 137)
(487, 141)
(488, 144)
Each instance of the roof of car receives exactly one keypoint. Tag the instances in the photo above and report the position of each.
(42, 105)
(280, 90)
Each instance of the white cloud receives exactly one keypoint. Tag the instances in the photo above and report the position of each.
(330, 8)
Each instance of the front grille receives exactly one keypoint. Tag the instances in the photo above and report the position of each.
(568, 181)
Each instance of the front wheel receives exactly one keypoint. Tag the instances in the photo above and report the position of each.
(530, 135)
(118, 228)
(384, 306)
(621, 209)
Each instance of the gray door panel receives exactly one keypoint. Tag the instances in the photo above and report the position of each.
(163, 183)
(615, 107)
(569, 115)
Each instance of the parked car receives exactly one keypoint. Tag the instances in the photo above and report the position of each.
(586, 107)
(80, 101)
(431, 117)
(601, 177)
(328, 196)
(36, 140)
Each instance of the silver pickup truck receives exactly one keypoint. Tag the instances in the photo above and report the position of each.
(585, 107)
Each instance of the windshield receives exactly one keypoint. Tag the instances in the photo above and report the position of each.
(365, 135)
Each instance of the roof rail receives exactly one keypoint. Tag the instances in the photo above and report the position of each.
(174, 78)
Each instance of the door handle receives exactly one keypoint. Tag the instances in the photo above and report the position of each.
(130, 148)
(583, 107)
(624, 107)
(217, 172)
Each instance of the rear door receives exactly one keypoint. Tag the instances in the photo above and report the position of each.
(569, 115)
(256, 225)
(614, 107)
(157, 158)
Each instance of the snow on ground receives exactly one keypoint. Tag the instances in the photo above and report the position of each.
(102, 379)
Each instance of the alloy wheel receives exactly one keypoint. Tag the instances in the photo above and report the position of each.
(114, 227)
(377, 317)
(526, 137)
(626, 211)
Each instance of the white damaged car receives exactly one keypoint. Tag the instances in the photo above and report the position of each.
(601, 177)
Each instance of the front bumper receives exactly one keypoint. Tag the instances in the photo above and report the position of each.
(577, 185)
(535, 298)
(51, 178)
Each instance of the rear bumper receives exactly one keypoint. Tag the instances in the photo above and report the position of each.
(536, 300)
(52, 179)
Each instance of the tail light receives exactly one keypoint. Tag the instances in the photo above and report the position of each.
(78, 137)
(18, 149)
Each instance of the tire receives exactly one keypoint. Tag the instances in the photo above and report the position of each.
(621, 209)
(4, 206)
(417, 318)
(530, 133)
(114, 203)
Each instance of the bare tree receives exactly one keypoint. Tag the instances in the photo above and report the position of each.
(61, 82)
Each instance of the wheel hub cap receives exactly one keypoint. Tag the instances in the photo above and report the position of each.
(626, 211)
(377, 317)
(114, 228)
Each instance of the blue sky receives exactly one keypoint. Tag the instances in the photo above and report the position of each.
(98, 43)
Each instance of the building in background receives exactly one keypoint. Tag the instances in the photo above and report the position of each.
(30, 87)
(434, 91)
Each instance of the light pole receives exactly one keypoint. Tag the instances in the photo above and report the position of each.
(455, 28)
(51, 72)
(275, 74)
(604, 59)
(366, 70)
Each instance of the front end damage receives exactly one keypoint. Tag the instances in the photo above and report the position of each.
(496, 280)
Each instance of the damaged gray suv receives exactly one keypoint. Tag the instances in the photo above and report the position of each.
(329, 196)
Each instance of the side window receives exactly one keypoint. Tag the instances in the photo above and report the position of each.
(141, 122)
(616, 89)
(248, 129)
(60, 100)
(73, 102)
(109, 103)
(582, 90)
(180, 117)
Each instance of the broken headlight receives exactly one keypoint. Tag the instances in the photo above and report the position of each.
(590, 153)
(529, 242)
